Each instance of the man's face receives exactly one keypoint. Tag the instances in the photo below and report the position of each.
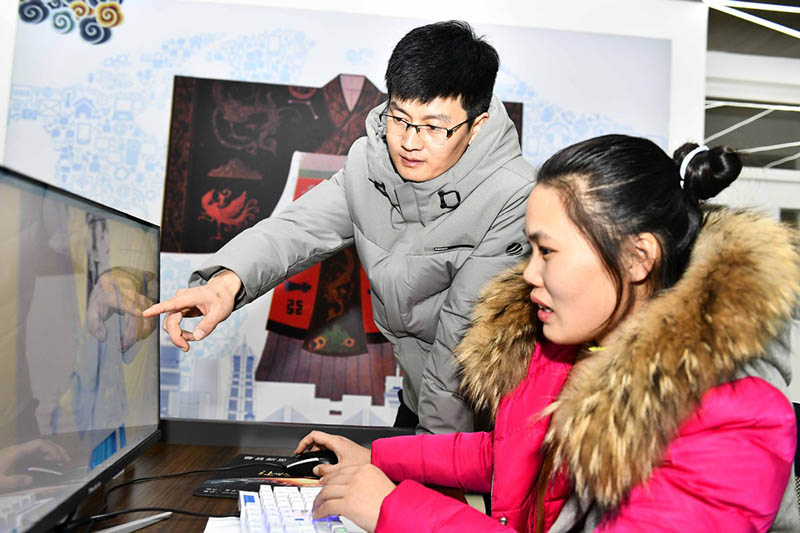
(418, 156)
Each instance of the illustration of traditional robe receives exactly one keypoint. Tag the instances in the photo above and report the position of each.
(231, 145)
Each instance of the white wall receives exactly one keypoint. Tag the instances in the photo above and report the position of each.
(769, 190)
(753, 78)
(8, 25)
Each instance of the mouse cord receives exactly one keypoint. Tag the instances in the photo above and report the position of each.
(70, 524)
(95, 518)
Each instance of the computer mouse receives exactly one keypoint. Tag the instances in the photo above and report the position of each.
(302, 464)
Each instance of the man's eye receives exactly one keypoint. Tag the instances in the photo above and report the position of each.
(397, 120)
(544, 251)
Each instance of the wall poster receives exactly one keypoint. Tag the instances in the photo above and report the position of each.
(206, 117)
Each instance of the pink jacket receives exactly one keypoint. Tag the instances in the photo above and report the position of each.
(630, 435)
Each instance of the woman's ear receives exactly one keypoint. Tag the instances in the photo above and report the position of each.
(645, 252)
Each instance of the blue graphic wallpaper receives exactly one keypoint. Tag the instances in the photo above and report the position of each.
(90, 107)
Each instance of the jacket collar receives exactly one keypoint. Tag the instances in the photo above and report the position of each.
(739, 289)
(496, 144)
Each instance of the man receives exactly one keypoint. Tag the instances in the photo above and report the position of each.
(433, 199)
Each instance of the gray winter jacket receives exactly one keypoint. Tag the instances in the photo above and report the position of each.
(427, 249)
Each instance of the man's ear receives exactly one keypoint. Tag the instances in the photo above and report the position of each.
(645, 252)
(477, 124)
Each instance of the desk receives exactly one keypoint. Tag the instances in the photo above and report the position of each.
(164, 458)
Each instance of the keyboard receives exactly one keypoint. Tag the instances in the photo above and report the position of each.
(287, 510)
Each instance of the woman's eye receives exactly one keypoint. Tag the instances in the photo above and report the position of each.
(544, 251)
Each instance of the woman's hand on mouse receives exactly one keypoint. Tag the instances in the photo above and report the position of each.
(347, 452)
(356, 492)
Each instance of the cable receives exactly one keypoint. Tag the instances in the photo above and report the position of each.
(188, 472)
(91, 519)
(95, 518)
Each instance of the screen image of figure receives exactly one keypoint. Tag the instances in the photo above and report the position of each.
(78, 362)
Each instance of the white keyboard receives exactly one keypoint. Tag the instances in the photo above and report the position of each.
(287, 510)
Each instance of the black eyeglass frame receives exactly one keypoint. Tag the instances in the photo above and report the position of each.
(450, 131)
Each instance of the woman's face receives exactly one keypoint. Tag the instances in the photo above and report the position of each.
(574, 292)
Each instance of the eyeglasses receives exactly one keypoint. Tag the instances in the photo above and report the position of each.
(429, 133)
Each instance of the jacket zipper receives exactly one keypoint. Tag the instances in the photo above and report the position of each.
(445, 248)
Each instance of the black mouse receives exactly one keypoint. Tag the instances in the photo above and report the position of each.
(302, 464)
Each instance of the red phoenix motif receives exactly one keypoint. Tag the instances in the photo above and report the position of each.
(227, 214)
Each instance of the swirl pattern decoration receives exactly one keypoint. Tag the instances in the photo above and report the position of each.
(94, 18)
(63, 21)
(33, 11)
(81, 9)
(93, 32)
(109, 14)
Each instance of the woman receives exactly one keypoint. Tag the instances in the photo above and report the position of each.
(632, 366)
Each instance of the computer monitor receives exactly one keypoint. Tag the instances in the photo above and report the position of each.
(79, 368)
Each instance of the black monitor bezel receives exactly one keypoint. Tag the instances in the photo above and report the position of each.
(79, 198)
(58, 514)
(55, 516)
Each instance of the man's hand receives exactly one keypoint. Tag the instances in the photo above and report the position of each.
(347, 452)
(213, 301)
(356, 492)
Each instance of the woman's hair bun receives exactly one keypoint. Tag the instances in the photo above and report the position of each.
(709, 171)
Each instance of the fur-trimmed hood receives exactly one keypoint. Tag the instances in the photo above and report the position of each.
(738, 292)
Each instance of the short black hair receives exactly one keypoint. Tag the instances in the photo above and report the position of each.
(444, 60)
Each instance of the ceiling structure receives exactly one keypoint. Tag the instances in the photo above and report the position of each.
(727, 33)
(767, 134)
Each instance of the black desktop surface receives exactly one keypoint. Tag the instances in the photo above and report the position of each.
(205, 444)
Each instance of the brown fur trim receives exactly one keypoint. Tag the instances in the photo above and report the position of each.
(495, 352)
(621, 407)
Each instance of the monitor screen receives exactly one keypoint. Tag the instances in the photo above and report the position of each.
(79, 368)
